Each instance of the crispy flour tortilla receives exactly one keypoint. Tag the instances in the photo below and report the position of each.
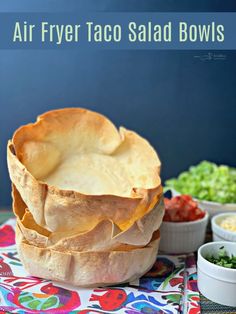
(87, 268)
(104, 236)
(87, 197)
(73, 169)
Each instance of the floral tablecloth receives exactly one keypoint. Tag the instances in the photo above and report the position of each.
(169, 287)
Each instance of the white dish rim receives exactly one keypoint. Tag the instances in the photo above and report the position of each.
(207, 202)
(219, 243)
(217, 226)
(184, 223)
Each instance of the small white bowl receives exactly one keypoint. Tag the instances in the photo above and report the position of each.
(212, 208)
(219, 233)
(183, 237)
(215, 282)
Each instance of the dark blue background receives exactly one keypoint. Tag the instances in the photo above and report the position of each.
(185, 107)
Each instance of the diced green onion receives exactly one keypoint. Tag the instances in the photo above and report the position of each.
(222, 259)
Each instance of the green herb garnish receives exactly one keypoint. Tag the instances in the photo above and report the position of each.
(223, 259)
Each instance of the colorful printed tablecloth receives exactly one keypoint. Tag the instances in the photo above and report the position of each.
(169, 287)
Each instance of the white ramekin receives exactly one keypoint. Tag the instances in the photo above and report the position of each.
(219, 233)
(212, 208)
(215, 282)
(183, 237)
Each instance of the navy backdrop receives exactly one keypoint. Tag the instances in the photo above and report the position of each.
(185, 106)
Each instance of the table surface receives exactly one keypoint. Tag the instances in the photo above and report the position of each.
(5, 214)
(207, 306)
(210, 307)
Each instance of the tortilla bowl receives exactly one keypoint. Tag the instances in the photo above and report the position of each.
(73, 169)
(87, 269)
(104, 236)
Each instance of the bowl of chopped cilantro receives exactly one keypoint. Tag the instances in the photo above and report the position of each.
(217, 272)
(213, 186)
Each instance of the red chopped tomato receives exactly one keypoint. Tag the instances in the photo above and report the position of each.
(182, 208)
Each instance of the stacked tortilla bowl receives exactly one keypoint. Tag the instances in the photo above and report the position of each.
(87, 197)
